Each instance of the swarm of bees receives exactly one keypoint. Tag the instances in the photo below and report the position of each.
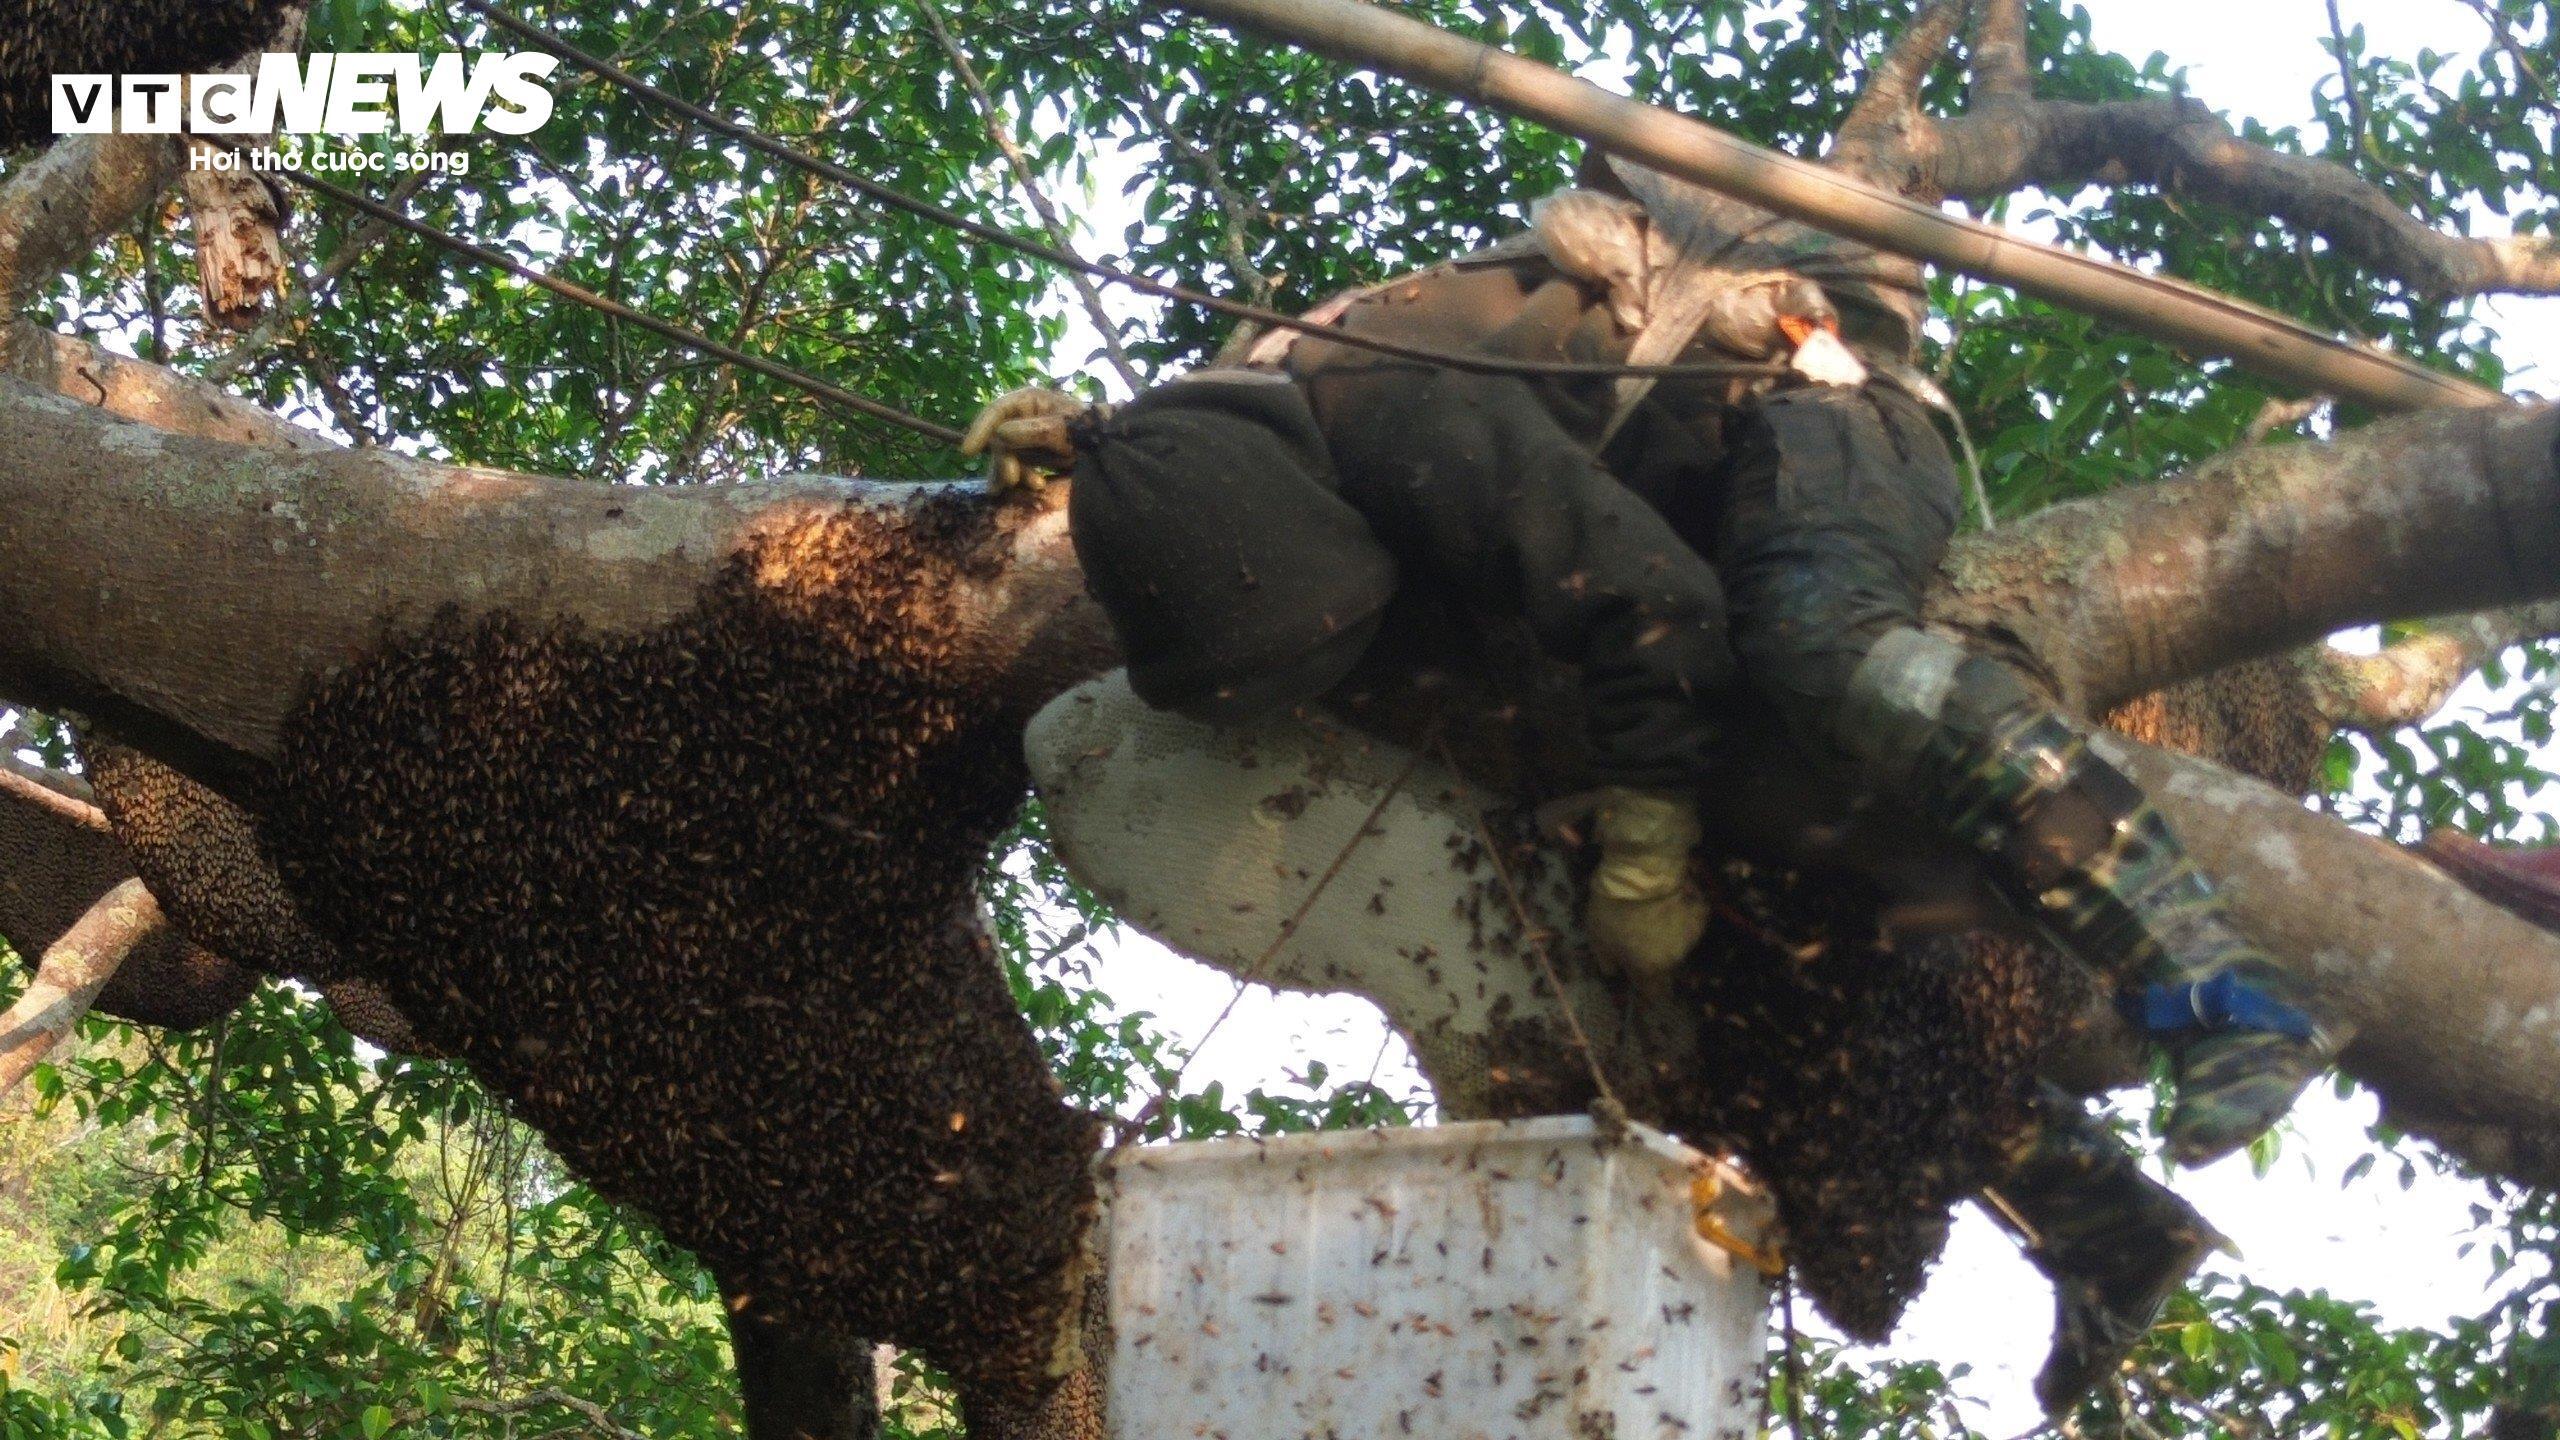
(1872, 1085)
(43, 38)
(199, 854)
(700, 900)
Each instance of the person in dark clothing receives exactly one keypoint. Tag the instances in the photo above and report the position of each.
(1248, 527)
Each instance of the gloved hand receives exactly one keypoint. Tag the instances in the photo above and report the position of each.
(1024, 435)
(1644, 914)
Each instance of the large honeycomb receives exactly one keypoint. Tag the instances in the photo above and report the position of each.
(699, 900)
(43, 38)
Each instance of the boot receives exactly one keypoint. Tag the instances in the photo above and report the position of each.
(2081, 852)
(2078, 850)
(2115, 1243)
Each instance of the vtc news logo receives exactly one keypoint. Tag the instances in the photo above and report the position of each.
(329, 93)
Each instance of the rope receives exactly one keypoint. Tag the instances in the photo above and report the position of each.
(873, 190)
(667, 329)
(1288, 931)
(1608, 1109)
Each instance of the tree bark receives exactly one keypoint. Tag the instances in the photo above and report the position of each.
(2267, 549)
(2454, 1000)
(324, 552)
(2178, 145)
(55, 208)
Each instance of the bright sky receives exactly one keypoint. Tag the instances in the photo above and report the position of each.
(2298, 1227)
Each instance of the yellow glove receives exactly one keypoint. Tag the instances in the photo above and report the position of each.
(1644, 914)
(1025, 438)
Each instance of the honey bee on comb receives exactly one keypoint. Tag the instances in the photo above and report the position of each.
(40, 39)
(711, 926)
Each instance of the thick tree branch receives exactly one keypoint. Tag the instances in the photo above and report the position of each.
(2178, 145)
(1876, 135)
(2003, 71)
(138, 390)
(69, 197)
(74, 969)
(2265, 550)
(323, 550)
(2253, 554)
(2456, 1002)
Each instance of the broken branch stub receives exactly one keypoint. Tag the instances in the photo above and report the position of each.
(74, 969)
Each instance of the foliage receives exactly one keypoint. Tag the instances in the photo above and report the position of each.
(264, 1230)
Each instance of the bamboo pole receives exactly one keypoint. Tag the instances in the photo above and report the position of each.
(2275, 347)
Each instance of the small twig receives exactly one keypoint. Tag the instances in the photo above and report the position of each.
(1050, 219)
(1236, 214)
(2505, 36)
(209, 1108)
(2360, 127)
(598, 1419)
(2278, 415)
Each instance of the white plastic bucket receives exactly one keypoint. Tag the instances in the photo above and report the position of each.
(1502, 1281)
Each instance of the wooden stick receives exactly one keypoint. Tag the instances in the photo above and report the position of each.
(2273, 346)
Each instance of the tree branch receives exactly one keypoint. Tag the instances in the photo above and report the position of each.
(597, 1420)
(1876, 135)
(2528, 70)
(74, 969)
(2178, 145)
(2405, 683)
(2455, 1001)
(74, 194)
(2349, 94)
(205, 671)
(61, 798)
(2003, 70)
(138, 390)
(2262, 551)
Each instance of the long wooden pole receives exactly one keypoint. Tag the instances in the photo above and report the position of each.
(2274, 346)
